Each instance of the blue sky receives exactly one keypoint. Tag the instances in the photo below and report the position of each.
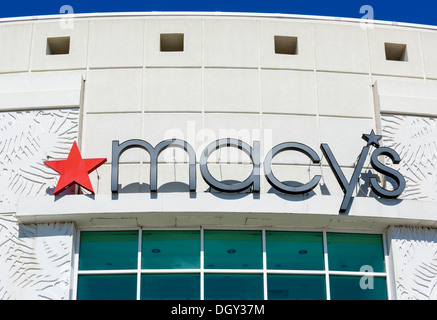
(419, 11)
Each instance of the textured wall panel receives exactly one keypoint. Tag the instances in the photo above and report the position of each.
(35, 260)
(415, 139)
(26, 139)
(414, 252)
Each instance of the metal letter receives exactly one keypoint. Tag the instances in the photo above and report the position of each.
(118, 149)
(278, 184)
(347, 187)
(253, 153)
(378, 166)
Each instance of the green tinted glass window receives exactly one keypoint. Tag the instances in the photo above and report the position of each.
(117, 265)
(294, 250)
(351, 252)
(233, 249)
(234, 287)
(296, 287)
(357, 288)
(170, 249)
(170, 287)
(108, 250)
(107, 287)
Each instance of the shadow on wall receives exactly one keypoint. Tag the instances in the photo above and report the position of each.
(362, 190)
(168, 187)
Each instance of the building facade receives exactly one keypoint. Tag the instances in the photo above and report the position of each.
(243, 156)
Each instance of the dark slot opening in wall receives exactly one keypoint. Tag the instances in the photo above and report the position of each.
(172, 42)
(396, 51)
(59, 45)
(285, 45)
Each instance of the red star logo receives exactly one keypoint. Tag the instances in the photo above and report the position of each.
(74, 170)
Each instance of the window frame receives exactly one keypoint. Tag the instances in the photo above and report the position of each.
(264, 271)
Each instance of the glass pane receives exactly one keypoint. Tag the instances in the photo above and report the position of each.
(108, 250)
(233, 249)
(357, 288)
(351, 252)
(296, 287)
(170, 250)
(107, 287)
(294, 250)
(170, 287)
(234, 287)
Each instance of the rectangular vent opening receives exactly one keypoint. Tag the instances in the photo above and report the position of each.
(58, 45)
(171, 42)
(285, 45)
(396, 51)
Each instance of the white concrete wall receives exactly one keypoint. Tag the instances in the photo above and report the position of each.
(414, 256)
(39, 120)
(35, 260)
(228, 82)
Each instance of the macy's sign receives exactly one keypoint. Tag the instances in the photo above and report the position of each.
(75, 170)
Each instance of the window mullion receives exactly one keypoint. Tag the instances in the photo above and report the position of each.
(202, 270)
(140, 243)
(264, 263)
(387, 265)
(76, 266)
(325, 256)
